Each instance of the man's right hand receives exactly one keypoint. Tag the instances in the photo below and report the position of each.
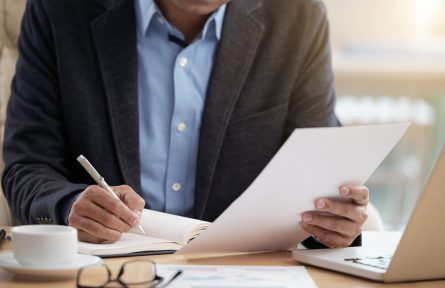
(99, 217)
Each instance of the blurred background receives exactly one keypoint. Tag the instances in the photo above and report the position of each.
(389, 63)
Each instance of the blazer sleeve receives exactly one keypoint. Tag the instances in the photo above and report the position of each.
(313, 99)
(36, 179)
(312, 102)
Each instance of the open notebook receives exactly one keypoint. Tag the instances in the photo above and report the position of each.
(165, 233)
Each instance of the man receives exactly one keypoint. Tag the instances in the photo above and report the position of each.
(186, 101)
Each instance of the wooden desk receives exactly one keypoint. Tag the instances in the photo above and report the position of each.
(323, 278)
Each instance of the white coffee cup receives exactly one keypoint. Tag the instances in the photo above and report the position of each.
(44, 246)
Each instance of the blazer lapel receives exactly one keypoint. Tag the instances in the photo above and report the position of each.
(240, 39)
(115, 40)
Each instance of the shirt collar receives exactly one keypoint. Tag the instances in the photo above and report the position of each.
(218, 18)
(147, 9)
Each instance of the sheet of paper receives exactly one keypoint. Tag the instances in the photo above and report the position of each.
(312, 163)
(237, 276)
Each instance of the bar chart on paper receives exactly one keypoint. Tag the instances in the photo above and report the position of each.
(207, 276)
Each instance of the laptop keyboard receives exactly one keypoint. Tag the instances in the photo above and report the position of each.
(381, 262)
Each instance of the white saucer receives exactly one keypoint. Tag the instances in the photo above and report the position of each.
(10, 264)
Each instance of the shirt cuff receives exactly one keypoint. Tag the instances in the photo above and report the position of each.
(65, 207)
(313, 243)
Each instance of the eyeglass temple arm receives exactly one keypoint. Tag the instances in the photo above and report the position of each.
(171, 280)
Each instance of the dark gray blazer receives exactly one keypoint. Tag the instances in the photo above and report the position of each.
(75, 92)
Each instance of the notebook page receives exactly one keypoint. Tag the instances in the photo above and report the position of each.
(129, 243)
(167, 226)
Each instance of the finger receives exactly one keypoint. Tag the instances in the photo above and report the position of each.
(93, 228)
(340, 225)
(102, 216)
(131, 199)
(359, 194)
(344, 209)
(113, 205)
(86, 237)
(328, 238)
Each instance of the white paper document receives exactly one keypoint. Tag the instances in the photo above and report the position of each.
(312, 163)
(207, 276)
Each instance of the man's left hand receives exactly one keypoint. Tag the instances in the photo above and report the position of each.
(336, 222)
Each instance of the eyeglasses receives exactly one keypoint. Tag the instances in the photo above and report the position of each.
(140, 273)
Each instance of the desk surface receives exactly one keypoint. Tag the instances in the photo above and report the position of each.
(323, 278)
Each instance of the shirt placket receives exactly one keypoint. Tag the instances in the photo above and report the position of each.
(180, 135)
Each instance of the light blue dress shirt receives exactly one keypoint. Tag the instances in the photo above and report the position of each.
(173, 84)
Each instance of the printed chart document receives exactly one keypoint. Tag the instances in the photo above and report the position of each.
(165, 233)
(312, 163)
(194, 276)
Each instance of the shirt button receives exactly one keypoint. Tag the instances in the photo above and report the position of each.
(160, 20)
(183, 61)
(181, 127)
(176, 187)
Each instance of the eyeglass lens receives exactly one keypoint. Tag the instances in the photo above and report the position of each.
(98, 276)
(131, 273)
(137, 272)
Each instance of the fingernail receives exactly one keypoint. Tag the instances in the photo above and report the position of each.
(320, 204)
(139, 213)
(307, 217)
(344, 191)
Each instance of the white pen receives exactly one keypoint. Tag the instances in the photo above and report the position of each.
(100, 180)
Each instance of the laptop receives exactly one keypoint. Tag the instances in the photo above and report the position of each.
(419, 255)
